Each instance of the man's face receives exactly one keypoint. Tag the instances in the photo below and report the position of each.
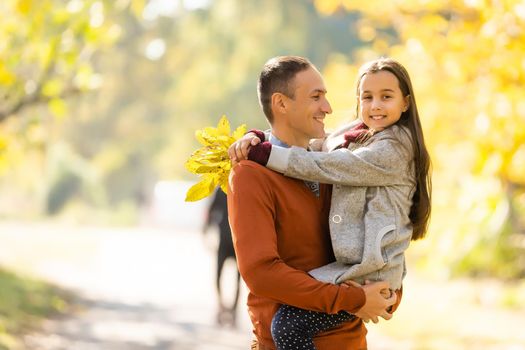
(305, 113)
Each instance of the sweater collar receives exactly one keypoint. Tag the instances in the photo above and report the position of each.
(274, 140)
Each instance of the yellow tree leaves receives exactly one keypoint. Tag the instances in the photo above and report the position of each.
(43, 44)
(24, 6)
(3, 150)
(211, 162)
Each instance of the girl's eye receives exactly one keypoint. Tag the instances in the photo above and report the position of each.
(386, 97)
(366, 98)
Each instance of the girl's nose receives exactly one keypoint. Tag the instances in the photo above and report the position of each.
(376, 104)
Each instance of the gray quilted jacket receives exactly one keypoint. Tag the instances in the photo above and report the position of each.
(373, 185)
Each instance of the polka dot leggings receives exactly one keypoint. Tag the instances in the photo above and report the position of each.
(294, 328)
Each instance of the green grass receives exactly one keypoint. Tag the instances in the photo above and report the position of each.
(24, 303)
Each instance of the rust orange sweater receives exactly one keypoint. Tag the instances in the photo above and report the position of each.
(280, 231)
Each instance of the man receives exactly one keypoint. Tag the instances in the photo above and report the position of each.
(280, 224)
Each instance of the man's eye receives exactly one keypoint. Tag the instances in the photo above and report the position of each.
(316, 97)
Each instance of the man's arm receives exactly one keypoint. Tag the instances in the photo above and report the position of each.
(252, 218)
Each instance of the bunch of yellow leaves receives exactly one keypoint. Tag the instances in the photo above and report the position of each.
(211, 162)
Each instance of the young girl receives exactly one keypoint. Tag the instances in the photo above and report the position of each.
(379, 168)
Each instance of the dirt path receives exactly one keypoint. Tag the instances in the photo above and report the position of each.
(139, 288)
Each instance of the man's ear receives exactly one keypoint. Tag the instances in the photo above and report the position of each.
(279, 102)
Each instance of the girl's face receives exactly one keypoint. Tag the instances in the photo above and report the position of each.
(380, 100)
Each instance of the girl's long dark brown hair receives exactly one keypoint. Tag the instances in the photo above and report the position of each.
(421, 201)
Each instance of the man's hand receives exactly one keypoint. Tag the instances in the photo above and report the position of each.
(377, 303)
(239, 149)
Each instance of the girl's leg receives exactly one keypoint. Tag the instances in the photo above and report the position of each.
(294, 328)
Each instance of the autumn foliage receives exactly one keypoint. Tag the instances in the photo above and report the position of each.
(211, 161)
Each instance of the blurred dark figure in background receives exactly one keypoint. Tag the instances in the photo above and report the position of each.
(218, 215)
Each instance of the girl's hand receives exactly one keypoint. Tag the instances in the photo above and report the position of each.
(386, 293)
(378, 300)
(239, 149)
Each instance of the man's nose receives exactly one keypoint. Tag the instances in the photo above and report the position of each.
(326, 107)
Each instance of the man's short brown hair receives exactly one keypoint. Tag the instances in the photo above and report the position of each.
(277, 76)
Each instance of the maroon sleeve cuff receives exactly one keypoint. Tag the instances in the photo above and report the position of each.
(260, 153)
(260, 134)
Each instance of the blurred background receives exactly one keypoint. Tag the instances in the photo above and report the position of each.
(99, 104)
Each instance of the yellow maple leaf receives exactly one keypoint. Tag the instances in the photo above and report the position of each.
(203, 188)
(224, 126)
(211, 162)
